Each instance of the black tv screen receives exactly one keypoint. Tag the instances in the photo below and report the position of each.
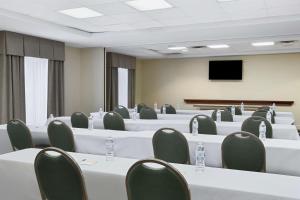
(226, 70)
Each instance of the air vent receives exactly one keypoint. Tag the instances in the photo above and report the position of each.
(198, 47)
(173, 54)
(288, 41)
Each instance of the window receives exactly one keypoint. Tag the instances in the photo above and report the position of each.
(36, 90)
(123, 87)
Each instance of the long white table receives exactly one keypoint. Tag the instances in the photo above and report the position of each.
(280, 131)
(236, 118)
(106, 180)
(283, 156)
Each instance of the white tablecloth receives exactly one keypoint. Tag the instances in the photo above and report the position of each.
(280, 131)
(283, 156)
(106, 180)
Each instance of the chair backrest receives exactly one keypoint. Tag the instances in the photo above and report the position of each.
(206, 125)
(226, 116)
(252, 124)
(169, 109)
(266, 108)
(79, 120)
(263, 113)
(243, 151)
(19, 135)
(58, 175)
(171, 146)
(159, 182)
(148, 113)
(113, 121)
(237, 110)
(123, 111)
(61, 136)
(140, 106)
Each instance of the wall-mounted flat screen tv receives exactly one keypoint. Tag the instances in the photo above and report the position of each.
(226, 70)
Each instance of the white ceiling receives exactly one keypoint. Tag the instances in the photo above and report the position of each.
(148, 34)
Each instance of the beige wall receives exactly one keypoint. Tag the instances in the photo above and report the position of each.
(84, 79)
(265, 77)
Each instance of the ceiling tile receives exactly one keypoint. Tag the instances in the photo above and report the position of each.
(115, 8)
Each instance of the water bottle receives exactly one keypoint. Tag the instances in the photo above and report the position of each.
(164, 109)
(91, 124)
(232, 110)
(109, 147)
(155, 106)
(101, 112)
(195, 127)
(219, 119)
(134, 114)
(274, 106)
(178, 106)
(50, 119)
(262, 131)
(200, 157)
(242, 107)
(269, 116)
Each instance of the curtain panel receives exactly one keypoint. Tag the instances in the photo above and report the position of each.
(56, 88)
(111, 98)
(12, 88)
(131, 88)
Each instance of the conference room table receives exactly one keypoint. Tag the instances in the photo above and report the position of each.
(282, 156)
(280, 131)
(236, 118)
(209, 112)
(106, 180)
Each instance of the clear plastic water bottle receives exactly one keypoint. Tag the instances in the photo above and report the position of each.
(242, 107)
(91, 123)
(232, 110)
(50, 119)
(155, 106)
(134, 114)
(101, 112)
(200, 157)
(274, 106)
(178, 106)
(164, 109)
(219, 117)
(195, 127)
(269, 116)
(109, 147)
(262, 131)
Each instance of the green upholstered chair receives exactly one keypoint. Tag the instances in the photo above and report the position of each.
(263, 113)
(243, 151)
(79, 120)
(19, 135)
(171, 146)
(113, 121)
(206, 125)
(59, 176)
(123, 111)
(238, 110)
(266, 108)
(169, 109)
(144, 181)
(140, 106)
(226, 116)
(252, 124)
(61, 136)
(148, 113)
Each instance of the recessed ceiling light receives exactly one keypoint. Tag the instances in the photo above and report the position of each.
(81, 13)
(260, 44)
(177, 48)
(221, 1)
(145, 5)
(218, 46)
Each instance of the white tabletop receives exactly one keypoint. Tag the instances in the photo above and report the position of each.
(280, 131)
(106, 180)
(283, 156)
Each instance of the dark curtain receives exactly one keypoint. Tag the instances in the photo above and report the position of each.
(111, 84)
(56, 88)
(131, 88)
(12, 88)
